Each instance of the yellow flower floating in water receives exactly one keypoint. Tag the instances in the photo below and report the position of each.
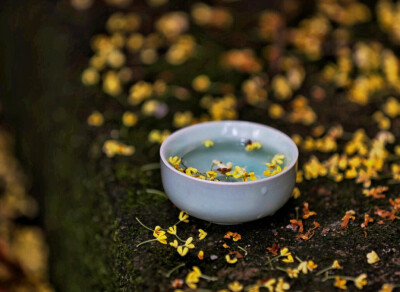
(252, 145)
(208, 143)
(175, 161)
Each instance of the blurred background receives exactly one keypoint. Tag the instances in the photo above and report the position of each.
(77, 73)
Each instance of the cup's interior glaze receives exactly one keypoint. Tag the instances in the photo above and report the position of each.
(229, 138)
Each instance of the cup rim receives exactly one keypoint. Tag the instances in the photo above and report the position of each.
(220, 183)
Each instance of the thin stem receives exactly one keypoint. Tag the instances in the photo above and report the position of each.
(245, 251)
(208, 278)
(147, 241)
(150, 166)
(271, 260)
(297, 213)
(177, 222)
(174, 269)
(280, 269)
(176, 235)
(324, 270)
(212, 166)
(148, 228)
(297, 258)
(156, 192)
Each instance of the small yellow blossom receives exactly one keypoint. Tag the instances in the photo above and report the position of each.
(175, 161)
(182, 119)
(237, 173)
(284, 251)
(268, 172)
(200, 255)
(191, 171)
(208, 143)
(276, 111)
(252, 146)
(174, 243)
(111, 83)
(95, 119)
(182, 250)
(296, 193)
(193, 278)
(372, 258)
(189, 243)
(340, 283)
(90, 77)
(202, 234)
(162, 238)
(336, 265)
(269, 284)
(386, 288)
(156, 136)
(313, 169)
(129, 119)
(299, 176)
(230, 260)
(289, 258)
(292, 273)
(139, 92)
(307, 266)
(113, 147)
(201, 83)
(235, 286)
(311, 266)
(278, 159)
(361, 281)
(281, 286)
(172, 230)
(249, 175)
(211, 174)
(184, 217)
(158, 231)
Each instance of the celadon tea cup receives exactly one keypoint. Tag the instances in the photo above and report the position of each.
(228, 201)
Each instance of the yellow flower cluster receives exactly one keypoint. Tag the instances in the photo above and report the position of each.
(182, 119)
(255, 90)
(388, 18)
(252, 145)
(275, 166)
(310, 34)
(359, 282)
(362, 159)
(205, 15)
(272, 285)
(222, 108)
(347, 14)
(244, 61)
(301, 112)
(160, 235)
(156, 136)
(193, 278)
(181, 50)
(113, 147)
